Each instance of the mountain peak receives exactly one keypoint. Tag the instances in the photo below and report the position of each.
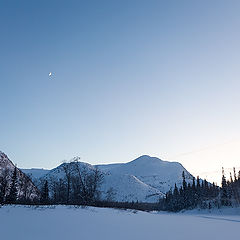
(144, 157)
(2, 154)
(5, 161)
(147, 159)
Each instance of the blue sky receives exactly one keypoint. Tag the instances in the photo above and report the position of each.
(129, 78)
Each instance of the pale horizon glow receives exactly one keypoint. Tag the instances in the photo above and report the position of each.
(133, 78)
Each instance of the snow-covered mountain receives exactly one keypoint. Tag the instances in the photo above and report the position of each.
(114, 187)
(145, 179)
(159, 174)
(24, 185)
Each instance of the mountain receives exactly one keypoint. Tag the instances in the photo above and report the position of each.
(145, 179)
(122, 188)
(159, 174)
(24, 185)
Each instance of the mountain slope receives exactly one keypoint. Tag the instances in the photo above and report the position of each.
(25, 187)
(153, 171)
(128, 188)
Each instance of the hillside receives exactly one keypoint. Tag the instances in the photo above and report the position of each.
(152, 171)
(25, 187)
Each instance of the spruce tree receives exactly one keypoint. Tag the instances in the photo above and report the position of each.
(194, 193)
(198, 182)
(193, 184)
(176, 198)
(184, 183)
(235, 176)
(231, 179)
(12, 196)
(45, 193)
(224, 196)
(181, 198)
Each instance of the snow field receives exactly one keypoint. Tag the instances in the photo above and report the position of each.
(63, 223)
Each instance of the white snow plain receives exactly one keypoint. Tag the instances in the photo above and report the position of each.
(66, 223)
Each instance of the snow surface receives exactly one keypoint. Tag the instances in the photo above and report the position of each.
(62, 222)
(128, 188)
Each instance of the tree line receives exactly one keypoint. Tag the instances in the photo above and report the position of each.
(230, 191)
(188, 196)
(203, 194)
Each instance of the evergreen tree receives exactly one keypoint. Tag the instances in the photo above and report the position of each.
(224, 196)
(175, 191)
(194, 193)
(198, 190)
(235, 176)
(193, 184)
(231, 179)
(176, 206)
(12, 196)
(206, 189)
(198, 182)
(184, 181)
(45, 193)
(181, 198)
(184, 196)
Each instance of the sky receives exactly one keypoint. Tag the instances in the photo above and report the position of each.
(129, 78)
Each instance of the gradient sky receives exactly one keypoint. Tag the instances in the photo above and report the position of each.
(129, 78)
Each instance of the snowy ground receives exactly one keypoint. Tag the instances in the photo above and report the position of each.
(27, 223)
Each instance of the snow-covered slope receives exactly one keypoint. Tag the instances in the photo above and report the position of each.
(106, 167)
(25, 186)
(64, 222)
(128, 188)
(153, 171)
